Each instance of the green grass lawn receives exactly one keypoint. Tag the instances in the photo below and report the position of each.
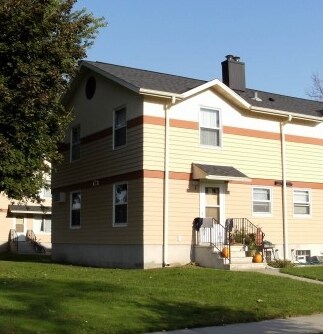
(42, 297)
(313, 272)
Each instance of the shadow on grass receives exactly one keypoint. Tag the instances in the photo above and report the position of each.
(38, 258)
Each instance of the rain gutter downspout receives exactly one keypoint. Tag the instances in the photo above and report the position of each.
(284, 179)
(166, 184)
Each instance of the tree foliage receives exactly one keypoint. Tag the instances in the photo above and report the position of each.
(41, 42)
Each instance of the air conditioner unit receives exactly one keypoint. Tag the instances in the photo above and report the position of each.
(301, 258)
(59, 197)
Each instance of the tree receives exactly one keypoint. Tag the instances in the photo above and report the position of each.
(41, 42)
(316, 92)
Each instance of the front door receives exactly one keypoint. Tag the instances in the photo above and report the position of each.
(212, 206)
(212, 201)
(20, 228)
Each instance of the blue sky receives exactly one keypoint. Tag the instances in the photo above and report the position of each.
(280, 41)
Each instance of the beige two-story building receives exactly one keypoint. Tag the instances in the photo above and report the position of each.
(149, 152)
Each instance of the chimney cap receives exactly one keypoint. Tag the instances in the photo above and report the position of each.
(236, 58)
(229, 57)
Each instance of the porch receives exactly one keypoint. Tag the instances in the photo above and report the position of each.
(238, 245)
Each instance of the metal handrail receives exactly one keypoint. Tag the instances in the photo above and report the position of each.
(243, 231)
(236, 230)
(211, 232)
(13, 237)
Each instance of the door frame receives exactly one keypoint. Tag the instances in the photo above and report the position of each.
(221, 187)
(21, 235)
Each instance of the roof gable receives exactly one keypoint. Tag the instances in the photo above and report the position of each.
(162, 84)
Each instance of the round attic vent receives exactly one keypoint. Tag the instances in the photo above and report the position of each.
(90, 87)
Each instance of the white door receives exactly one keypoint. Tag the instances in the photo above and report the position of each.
(212, 205)
(20, 227)
(212, 201)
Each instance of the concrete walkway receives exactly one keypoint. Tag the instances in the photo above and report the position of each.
(311, 324)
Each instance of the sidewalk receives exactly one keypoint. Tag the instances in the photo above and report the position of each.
(311, 324)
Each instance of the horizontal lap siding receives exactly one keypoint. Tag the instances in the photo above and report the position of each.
(304, 162)
(239, 205)
(153, 211)
(96, 218)
(98, 160)
(153, 149)
(184, 206)
(307, 229)
(258, 158)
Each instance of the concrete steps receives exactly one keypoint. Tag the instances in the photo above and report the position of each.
(211, 257)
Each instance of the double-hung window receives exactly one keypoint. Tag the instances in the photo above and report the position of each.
(120, 213)
(261, 200)
(76, 209)
(120, 128)
(301, 202)
(75, 146)
(210, 127)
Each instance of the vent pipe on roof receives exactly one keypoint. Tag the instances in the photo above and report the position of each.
(233, 73)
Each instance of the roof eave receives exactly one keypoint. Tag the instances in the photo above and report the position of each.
(285, 114)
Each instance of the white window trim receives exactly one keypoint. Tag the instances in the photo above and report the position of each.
(113, 128)
(263, 214)
(114, 224)
(71, 143)
(302, 216)
(72, 227)
(35, 218)
(220, 128)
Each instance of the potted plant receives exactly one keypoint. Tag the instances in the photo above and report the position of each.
(250, 242)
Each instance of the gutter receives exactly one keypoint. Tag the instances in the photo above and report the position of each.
(284, 179)
(275, 112)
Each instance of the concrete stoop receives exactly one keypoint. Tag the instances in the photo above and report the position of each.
(210, 257)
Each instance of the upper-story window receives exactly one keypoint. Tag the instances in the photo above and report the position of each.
(75, 146)
(210, 127)
(120, 128)
(261, 200)
(302, 202)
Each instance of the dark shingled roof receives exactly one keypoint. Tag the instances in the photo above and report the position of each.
(148, 79)
(221, 170)
(176, 84)
(282, 102)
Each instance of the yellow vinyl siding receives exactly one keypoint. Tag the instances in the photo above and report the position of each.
(153, 211)
(98, 159)
(153, 149)
(258, 158)
(304, 162)
(96, 217)
(184, 206)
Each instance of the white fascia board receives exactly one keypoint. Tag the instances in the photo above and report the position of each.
(227, 178)
(284, 114)
(222, 89)
(158, 93)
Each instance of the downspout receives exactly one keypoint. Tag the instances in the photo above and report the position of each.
(284, 179)
(166, 184)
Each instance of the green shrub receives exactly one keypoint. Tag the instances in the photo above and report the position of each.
(281, 264)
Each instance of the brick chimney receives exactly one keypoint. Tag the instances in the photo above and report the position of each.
(233, 73)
